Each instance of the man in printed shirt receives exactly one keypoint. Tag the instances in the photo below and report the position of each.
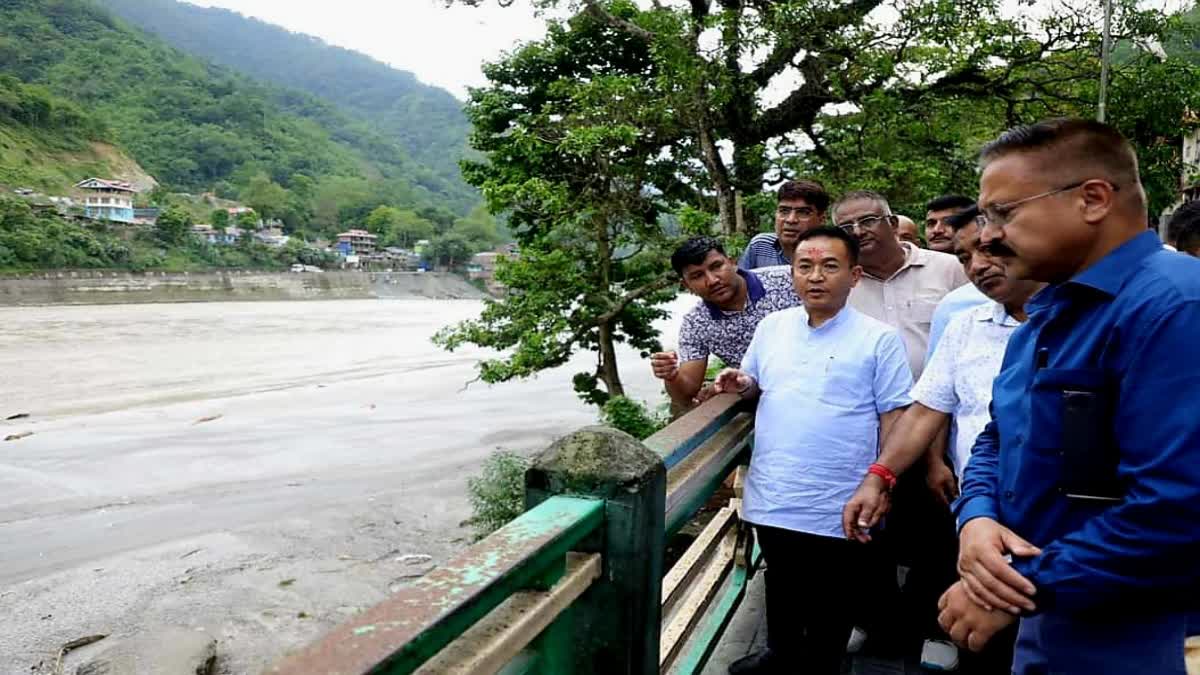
(732, 302)
(830, 381)
(801, 207)
(1080, 504)
(957, 383)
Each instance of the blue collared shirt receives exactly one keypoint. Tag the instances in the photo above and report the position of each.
(817, 424)
(958, 300)
(763, 250)
(1127, 329)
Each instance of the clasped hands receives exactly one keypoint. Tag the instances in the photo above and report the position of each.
(990, 594)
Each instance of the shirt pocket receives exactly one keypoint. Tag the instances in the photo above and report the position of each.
(1072, 430)
(920, 310)
(847, 383)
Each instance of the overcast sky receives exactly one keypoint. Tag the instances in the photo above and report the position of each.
(442, 46)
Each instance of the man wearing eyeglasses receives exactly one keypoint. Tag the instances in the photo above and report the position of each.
(1080, 505)
(901, 285)
(801, 207)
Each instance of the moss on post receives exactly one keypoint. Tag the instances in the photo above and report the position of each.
(621, 613)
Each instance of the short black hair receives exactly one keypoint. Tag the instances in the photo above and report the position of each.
(1183, 229)
(810, 191)
(963, 218)
(693, 252)
(947, 202)
(1075, 141)
(830, 232)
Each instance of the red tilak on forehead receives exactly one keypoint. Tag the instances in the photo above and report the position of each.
(814, 250)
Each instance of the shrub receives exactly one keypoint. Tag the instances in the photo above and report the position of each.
(497, 494)
(632, 417)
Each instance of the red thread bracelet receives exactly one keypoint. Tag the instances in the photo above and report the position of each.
(885, 473)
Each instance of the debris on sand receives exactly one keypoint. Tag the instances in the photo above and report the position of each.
(71, 646)
(17, 437)
(209, 418)
(18, 416)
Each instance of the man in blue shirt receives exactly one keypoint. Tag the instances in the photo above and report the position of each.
(1088, 476)
(801, 207)
(830, 381)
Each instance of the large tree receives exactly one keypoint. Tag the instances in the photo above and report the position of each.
(570, 134)
(629, 117)
(748, 83)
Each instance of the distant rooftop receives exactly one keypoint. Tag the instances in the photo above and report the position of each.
(103, 184)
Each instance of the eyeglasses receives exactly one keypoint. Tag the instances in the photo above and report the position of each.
(1000, 213)
(789, 211)
(864, 223)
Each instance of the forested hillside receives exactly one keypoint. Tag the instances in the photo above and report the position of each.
(198, 127)
(427, 121)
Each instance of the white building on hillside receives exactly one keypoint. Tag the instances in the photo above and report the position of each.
(107, 199)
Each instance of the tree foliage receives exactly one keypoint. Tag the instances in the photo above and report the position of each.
(896, 94)
(632, 417)
(497, 493)
(630, 120)
(173, 226)
(450, 250)
(571, 172)
(397, 227)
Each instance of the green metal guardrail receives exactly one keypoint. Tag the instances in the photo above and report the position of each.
(576, 584)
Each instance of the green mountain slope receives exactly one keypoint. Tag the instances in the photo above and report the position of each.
(197, 126)
(428, 121)
(47, 143)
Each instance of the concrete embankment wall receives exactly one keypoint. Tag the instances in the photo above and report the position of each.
(107, 287)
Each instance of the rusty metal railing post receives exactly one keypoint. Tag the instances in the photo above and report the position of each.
(617, 620)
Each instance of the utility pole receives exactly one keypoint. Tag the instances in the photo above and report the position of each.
(1105, 56)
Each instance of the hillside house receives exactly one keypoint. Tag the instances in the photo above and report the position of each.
(205, 232)
(483, 267)
(146, 216)
(107, 199)
(272, 236)
(356, 243)
(236, 212)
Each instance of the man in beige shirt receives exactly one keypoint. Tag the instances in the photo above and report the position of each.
(901, 284)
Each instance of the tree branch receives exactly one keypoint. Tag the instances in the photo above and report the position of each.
(604, 16)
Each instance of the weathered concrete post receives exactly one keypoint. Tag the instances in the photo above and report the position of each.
(617, 621)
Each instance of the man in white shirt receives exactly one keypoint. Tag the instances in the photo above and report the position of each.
(830, 381)
(957, 383)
